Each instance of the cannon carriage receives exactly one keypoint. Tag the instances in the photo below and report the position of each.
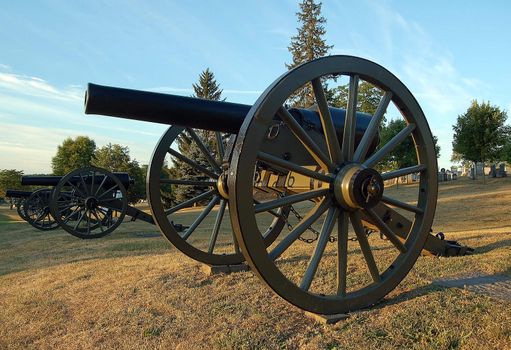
(87, 203)
(20, 200)
(320, 160)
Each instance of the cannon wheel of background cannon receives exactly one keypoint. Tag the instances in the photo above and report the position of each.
(37, 211)
(20, 208)
(89, 202)
(323, 283)
(216, 246)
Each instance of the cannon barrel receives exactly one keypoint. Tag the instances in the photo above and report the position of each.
(34, 180)
(194, 112)
(17, 194)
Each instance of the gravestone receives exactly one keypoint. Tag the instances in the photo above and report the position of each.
(502, 170)
(493, 171)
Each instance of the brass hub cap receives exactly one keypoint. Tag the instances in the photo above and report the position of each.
(221, 185)
(356, 187)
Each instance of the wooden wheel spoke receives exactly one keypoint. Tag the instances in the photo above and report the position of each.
(99, 221)
(297, 231)
(372, 128)
(87, 189)
(188, 182)
(319, 156)
(364, 245)
(332, 141)
(328, 225)
(100, 186)
(80, 220)
(107, 191)
(77, 189)
(220, 146)
(216, 226)
(342, 252)
(201, 217)
(389, 146)
(68, 217)
(192, 163)
(189, 202)
(204, 150)
(272, 160)
(386, 230)
(402, 205)
(404, 171)
(288, 200)
(348, 139)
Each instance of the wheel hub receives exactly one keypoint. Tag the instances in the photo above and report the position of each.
(91, 203)
(357, 187)
(221, 185)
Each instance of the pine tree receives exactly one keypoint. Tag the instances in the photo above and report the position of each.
(307, 45)
(206, 88)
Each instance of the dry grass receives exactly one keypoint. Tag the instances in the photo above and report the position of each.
(131, 291)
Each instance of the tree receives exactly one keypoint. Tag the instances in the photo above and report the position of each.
(116, 158)
(480, 133)
(368, 97)
(404, 154)
(73, 154)
(306, 46)
(10, 179)
(206, 88)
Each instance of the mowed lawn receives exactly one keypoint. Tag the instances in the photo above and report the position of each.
(133, 290)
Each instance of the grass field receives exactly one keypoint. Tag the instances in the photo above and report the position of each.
(133, 290)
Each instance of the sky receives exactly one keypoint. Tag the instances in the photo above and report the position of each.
(446, 52)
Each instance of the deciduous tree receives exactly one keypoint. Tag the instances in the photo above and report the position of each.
(73, 154)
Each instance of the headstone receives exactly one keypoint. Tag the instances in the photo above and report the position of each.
(472, 175)
(493, 171)
(502, 170)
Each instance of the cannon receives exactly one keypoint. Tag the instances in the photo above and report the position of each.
(21, 197)
(87, 202)
(317, 171)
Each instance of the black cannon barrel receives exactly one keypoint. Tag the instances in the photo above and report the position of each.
(29, 180)
(191, 112)
(17, 194)
(164, 108)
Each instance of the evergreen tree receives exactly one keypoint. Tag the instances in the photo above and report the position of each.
(206, 88)
(306, 46)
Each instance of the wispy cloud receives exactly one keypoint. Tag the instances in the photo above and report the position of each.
(37, 87)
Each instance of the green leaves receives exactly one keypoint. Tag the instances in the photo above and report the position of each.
(480, 133)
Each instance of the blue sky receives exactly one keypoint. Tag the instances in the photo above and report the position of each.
(447, 53)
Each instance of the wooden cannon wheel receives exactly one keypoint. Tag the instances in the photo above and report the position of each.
(20, 208)
(215, 246)
(37, 211)
(324, 283)
(89, 202)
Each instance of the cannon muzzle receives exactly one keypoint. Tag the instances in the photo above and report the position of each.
(17, 194)
(194, 112)
(29, 180)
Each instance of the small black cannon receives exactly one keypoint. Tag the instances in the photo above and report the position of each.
(305, 169)
(88, 202)
(21, 197)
